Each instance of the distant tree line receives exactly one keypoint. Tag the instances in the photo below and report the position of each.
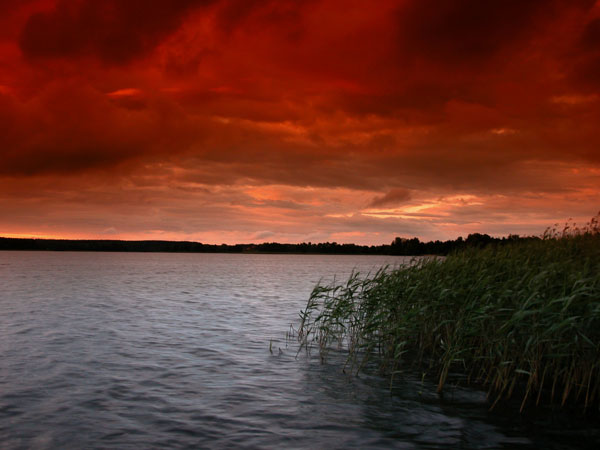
(415, 247)
(400, 246)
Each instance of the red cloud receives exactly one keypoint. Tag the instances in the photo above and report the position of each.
(444, 97)
(114, 31)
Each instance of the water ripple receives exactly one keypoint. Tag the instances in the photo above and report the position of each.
(160, 350)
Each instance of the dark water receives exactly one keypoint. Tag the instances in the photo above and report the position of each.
(102, 350)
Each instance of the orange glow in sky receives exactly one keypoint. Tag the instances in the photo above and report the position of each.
(315, 120)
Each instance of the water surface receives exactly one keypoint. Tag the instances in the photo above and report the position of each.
(134, 350)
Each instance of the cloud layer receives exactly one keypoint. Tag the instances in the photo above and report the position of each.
(229, 121)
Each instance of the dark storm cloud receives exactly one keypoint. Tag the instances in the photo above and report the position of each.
(590, 39)
(586, 66)
(114, 31)
(471, 31)
(236, 13)
(392, 198)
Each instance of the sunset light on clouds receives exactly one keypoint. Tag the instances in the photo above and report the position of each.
(311, 120)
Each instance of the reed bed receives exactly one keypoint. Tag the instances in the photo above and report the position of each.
(521, 319)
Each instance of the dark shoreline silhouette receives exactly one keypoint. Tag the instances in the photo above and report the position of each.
(400, 246)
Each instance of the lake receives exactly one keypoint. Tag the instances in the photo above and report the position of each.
(136, 350)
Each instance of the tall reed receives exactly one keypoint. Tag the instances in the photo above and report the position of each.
(519, 318)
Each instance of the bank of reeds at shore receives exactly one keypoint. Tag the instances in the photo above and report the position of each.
(520, 319)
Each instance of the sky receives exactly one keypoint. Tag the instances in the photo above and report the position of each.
(237, 121)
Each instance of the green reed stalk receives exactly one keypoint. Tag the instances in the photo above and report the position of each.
(522, 318)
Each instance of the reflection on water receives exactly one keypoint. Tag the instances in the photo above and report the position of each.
(146, 350)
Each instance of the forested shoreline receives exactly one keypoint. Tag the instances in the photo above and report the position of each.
(400, 246)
